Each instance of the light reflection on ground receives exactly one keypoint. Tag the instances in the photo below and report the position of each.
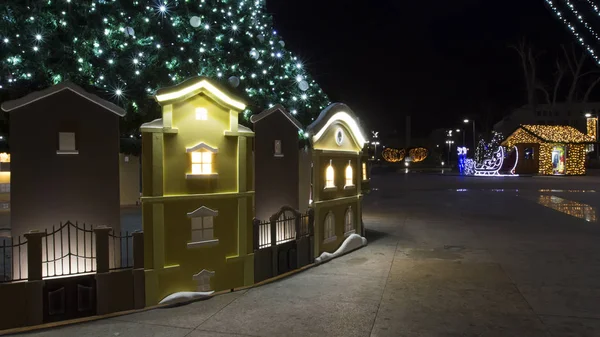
(569, 207)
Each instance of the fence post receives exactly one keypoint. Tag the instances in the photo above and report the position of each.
(102, 254)
(255, 235)
(138, 249)
(273, 224)
(34, 255)
(297, 221)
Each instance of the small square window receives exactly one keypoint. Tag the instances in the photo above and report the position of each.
(66, 142)
(201, 114)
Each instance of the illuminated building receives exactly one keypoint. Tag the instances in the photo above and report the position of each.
(550, 149)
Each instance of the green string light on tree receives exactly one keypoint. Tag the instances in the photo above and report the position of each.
(125, 50)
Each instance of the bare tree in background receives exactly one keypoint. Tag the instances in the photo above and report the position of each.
(528, 63)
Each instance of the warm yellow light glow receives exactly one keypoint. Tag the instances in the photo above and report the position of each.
(204, 84)
(418, 154)
(329, 176)
(592, 127)
(364, 171)
(393, 155)
(202, 162)
(201, 114)
(4, 157)
(572, 208)
(549, 136)
(349, 175)
(349, 121)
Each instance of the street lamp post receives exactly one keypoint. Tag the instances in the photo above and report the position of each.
(449, 142)
(466, 121)
(463, 133)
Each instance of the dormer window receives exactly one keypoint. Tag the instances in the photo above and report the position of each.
(329, 176)
(201, 161)
(349, 176)
(66, 143)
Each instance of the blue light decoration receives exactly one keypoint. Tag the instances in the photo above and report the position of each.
(462, 156)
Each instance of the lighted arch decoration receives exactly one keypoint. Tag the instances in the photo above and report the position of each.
(392, 155)
(418, 154)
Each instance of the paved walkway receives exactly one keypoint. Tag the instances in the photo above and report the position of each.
(448, 256)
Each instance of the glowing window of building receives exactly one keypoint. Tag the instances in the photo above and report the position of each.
(201, 114)
(329, 176)
(349, 175)
(202, 162)
(329, 228)
(364, 171)
(349, 221)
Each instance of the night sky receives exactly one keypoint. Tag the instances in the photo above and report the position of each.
(438, 61)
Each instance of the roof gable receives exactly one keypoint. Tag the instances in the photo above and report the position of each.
(202, 146)
(558, 133)
(337, 113)
(194, 86)
(67, 85)
(280, 108)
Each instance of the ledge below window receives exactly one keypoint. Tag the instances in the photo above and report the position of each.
(349, 187)
(278, 155)
(67, 152)
(331, 239)
(207, 243)
(347, 234)
(332, 188)
(201, 176)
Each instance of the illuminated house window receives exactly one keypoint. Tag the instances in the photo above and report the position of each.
(202, 161)
(201, 114)
(349, 174)
(66, 143)
(329, 175)
(349, 222)
(202, 227)
(329, 228)
(364, 171)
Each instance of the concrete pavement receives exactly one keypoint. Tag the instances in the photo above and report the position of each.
(447, 256)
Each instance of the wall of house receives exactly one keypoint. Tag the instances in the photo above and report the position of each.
(527, 166)
(575, 161)
(47, 188)
(339, 161)
(191, 132)
(277, 178)
(304, 179)
(129, 179)
(339, 211)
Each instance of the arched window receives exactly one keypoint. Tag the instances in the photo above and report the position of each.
(329, 176)
(329, 228)
(349, 174)
(349, 221)
(364, 171)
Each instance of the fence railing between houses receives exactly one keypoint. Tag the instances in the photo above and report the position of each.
(284, 226)
(69, 249)
(11, 255)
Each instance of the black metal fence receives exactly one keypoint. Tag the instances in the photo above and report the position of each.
(121, 248)
(13, 259)
(68, 250)
(285, 226)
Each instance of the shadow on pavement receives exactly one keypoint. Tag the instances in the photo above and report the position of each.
(373, 235)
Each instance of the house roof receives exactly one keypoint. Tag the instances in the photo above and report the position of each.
(558, 134)
(195, 85)
(336, 112)
(280, 108)
(67, 85)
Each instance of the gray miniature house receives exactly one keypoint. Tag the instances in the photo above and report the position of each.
(276, 153)
(64, 159)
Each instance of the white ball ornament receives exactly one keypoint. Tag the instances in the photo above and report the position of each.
(254, 54)
(195, 21)
(129, 31)
(234, 81)
(303, 85)
(282, 44)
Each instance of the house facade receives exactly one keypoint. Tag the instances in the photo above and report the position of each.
(337, 144)
(550, 149)
(276, 153)
(64, 159)
(197, 193)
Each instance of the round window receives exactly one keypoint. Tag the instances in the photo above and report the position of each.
(339, 137)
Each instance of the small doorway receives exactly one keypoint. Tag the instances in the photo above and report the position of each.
(558, 160)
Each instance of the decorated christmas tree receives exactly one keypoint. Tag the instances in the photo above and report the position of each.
(125, 50)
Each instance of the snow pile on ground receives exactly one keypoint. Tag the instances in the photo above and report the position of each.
(351, 243)
(185, 297)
